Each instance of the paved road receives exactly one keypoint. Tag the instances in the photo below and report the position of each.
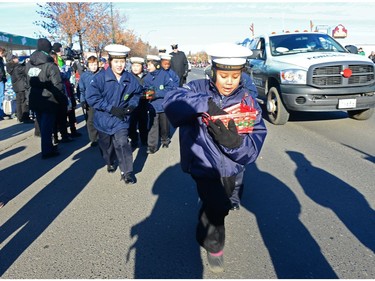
(307, 211)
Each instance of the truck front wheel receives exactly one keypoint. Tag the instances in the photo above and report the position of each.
(277, 113)
(361, 114)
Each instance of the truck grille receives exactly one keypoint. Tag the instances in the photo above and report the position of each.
(331, 75)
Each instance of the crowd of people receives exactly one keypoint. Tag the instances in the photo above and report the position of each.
(125, 109)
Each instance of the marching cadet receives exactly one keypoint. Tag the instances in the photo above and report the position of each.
(166, 65)
(139, 117)
(115, 93)
(84, 82)
(213, 154)
(158, 82)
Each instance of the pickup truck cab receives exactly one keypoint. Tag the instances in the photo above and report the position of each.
(310, 71)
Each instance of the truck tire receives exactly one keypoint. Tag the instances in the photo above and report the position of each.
(277, 113)
(361, 114)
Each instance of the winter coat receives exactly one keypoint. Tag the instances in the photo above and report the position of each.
(18, 76)
(201, 156)
(175, 78)
(179, 63)
(161, 82)
(43, 83)
(84, 82)
(3, 76)
(105, 92)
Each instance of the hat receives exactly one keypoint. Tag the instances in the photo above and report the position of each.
(44, 45)
(162, 50)
(228, 56)
(153, 57)
(165, 57)
(56, 47)
(174, 46)
(117, 50)
(137, 60)
(10, 57)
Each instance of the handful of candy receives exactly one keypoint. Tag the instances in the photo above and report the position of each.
(148, 94)
(244, 117)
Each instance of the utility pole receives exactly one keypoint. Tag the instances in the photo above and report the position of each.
(113, 29)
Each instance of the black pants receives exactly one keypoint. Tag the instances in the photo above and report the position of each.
(139, 120)
(92, 132)
(159, 128)
(61, 122)
(22, 107)
(215, 195)
(117, 146)
(46, 123)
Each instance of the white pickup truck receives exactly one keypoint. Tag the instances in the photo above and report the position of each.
(310, 71)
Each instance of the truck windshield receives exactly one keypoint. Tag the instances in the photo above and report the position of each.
(287, 44)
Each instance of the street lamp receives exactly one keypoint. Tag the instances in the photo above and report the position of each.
(148, 44)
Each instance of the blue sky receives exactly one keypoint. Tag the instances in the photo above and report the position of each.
(196, 24)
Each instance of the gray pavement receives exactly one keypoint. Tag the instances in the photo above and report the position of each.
(68, 218)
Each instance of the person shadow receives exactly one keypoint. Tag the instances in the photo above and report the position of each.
(29, 222)
(292, 249)
(349, 205)
(164, 243)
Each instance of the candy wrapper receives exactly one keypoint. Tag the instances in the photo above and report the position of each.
(244, 117)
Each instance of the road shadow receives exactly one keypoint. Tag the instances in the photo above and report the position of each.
(349, 205)
(15, 130)
(296, 116)
(11, 152)
(25, 226)
(292, 249)
(367, 156)
(165, 245)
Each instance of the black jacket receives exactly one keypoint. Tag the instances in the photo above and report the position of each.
(179, 63)
(44, 83)
(3, 77)
(18, 76)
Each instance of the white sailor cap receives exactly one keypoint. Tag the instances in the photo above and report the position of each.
(153, 57)
(165, 57)
(228, 56)
(137, 60)
(117, 50)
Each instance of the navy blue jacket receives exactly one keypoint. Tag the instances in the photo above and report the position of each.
(201, 156)
(161, 82)
(106, 92)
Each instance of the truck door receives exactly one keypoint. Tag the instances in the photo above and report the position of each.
(257, 66)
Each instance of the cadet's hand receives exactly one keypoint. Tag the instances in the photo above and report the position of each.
(119, 112)
(213, 109)
(226, 137)
(84, 105)
(129, 109)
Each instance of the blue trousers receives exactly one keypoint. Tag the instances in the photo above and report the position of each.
(2, 96)
(46, 122)
(117, 146)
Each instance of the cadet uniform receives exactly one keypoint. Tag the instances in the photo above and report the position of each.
(115, 93)
(139, 117)
(159, 81)
(215, 155)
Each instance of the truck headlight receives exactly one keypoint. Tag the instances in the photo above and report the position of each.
(293, 76)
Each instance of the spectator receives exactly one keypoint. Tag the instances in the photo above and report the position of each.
(179, 64)
(361, 52)
(372, 56)
(46, 92)
(18, 76)
(3, 79)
